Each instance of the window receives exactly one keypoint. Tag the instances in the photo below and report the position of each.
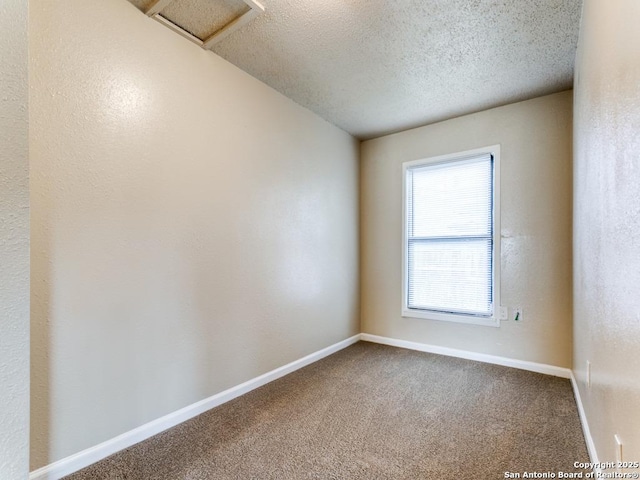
(451, 237)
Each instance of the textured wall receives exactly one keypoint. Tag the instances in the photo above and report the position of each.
(192, 228)
(607, 223)
(14, 242)
(535, 136)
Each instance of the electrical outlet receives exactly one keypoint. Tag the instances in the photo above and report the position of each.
(517, 314)
(618, 448)
(588, 373)
(504, 315)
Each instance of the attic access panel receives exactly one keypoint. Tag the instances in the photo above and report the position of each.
(204, 22)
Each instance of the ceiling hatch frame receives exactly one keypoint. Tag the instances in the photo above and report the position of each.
(255, 9)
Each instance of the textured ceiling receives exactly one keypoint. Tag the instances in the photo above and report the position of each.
(202, 18)
(374, 67)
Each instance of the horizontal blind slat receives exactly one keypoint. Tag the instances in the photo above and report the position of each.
(449, 227)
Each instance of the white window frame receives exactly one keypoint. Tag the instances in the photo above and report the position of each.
(494, 319)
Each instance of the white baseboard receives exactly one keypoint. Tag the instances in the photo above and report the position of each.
(507, 362)
(80, 460)
(591, 447)
(479, 357)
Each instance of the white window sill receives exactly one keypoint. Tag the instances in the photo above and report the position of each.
(451, 317)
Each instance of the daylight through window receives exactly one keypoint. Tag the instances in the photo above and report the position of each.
(450, 243)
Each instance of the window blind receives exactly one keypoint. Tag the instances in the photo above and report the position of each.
(450, 236)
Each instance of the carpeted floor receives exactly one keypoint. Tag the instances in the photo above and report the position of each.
(371, 412)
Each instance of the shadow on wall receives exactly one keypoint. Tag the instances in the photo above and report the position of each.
(41, 315)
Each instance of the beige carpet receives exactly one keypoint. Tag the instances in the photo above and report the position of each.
(371, 412)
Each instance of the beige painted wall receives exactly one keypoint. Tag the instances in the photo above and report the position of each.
(14, 242)
(607, 223)
(535, 138)
(192, 228)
